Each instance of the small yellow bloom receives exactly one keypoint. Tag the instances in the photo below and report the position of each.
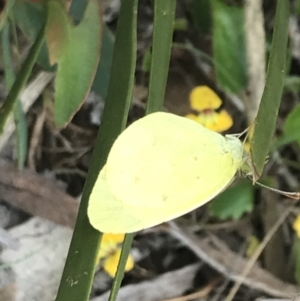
(296, 226)
(111, 263)
(203, 98)
(110, 251)
(205, 101)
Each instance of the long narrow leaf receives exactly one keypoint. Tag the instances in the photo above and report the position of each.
(101, 79)
(121, 266)
(269, 106)
(79, 269)
(164, 12)
(20, 120)
(21, 80)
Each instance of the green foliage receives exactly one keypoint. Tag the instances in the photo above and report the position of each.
(113, 79)
(291, 128)
(20, 120)
(5, 12)
(292, 84)
(30, 17)
(101, 80)
(229, 46)
(234, 202)
(76, 49)
(164, 13)
(21, 80)
(146, 64)
(297, 7)
(268, 110)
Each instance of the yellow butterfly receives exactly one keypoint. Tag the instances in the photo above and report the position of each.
(161, 167)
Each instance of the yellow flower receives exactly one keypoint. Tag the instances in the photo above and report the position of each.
(110, 251)
(111, 263)
(206, 102)
(296, 226)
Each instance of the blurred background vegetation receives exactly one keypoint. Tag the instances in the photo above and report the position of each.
(56, 79)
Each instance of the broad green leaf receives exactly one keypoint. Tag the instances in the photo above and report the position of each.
(30, 17)
(76, 49)
(82, 257)
(229, 46)
(268, 110)
(233, 202)
(101, 80)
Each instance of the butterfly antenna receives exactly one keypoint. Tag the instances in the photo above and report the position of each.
(291, 195)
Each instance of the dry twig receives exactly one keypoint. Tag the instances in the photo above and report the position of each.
(257, 253)
(222, 261)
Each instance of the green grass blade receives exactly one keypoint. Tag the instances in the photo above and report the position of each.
(121, 267)
(79, 269)
(164, 12)
(269, 106)
(20, 120)
(22, 134)
(21, 80)
(101, 79)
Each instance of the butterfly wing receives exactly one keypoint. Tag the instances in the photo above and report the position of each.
(159, 168)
